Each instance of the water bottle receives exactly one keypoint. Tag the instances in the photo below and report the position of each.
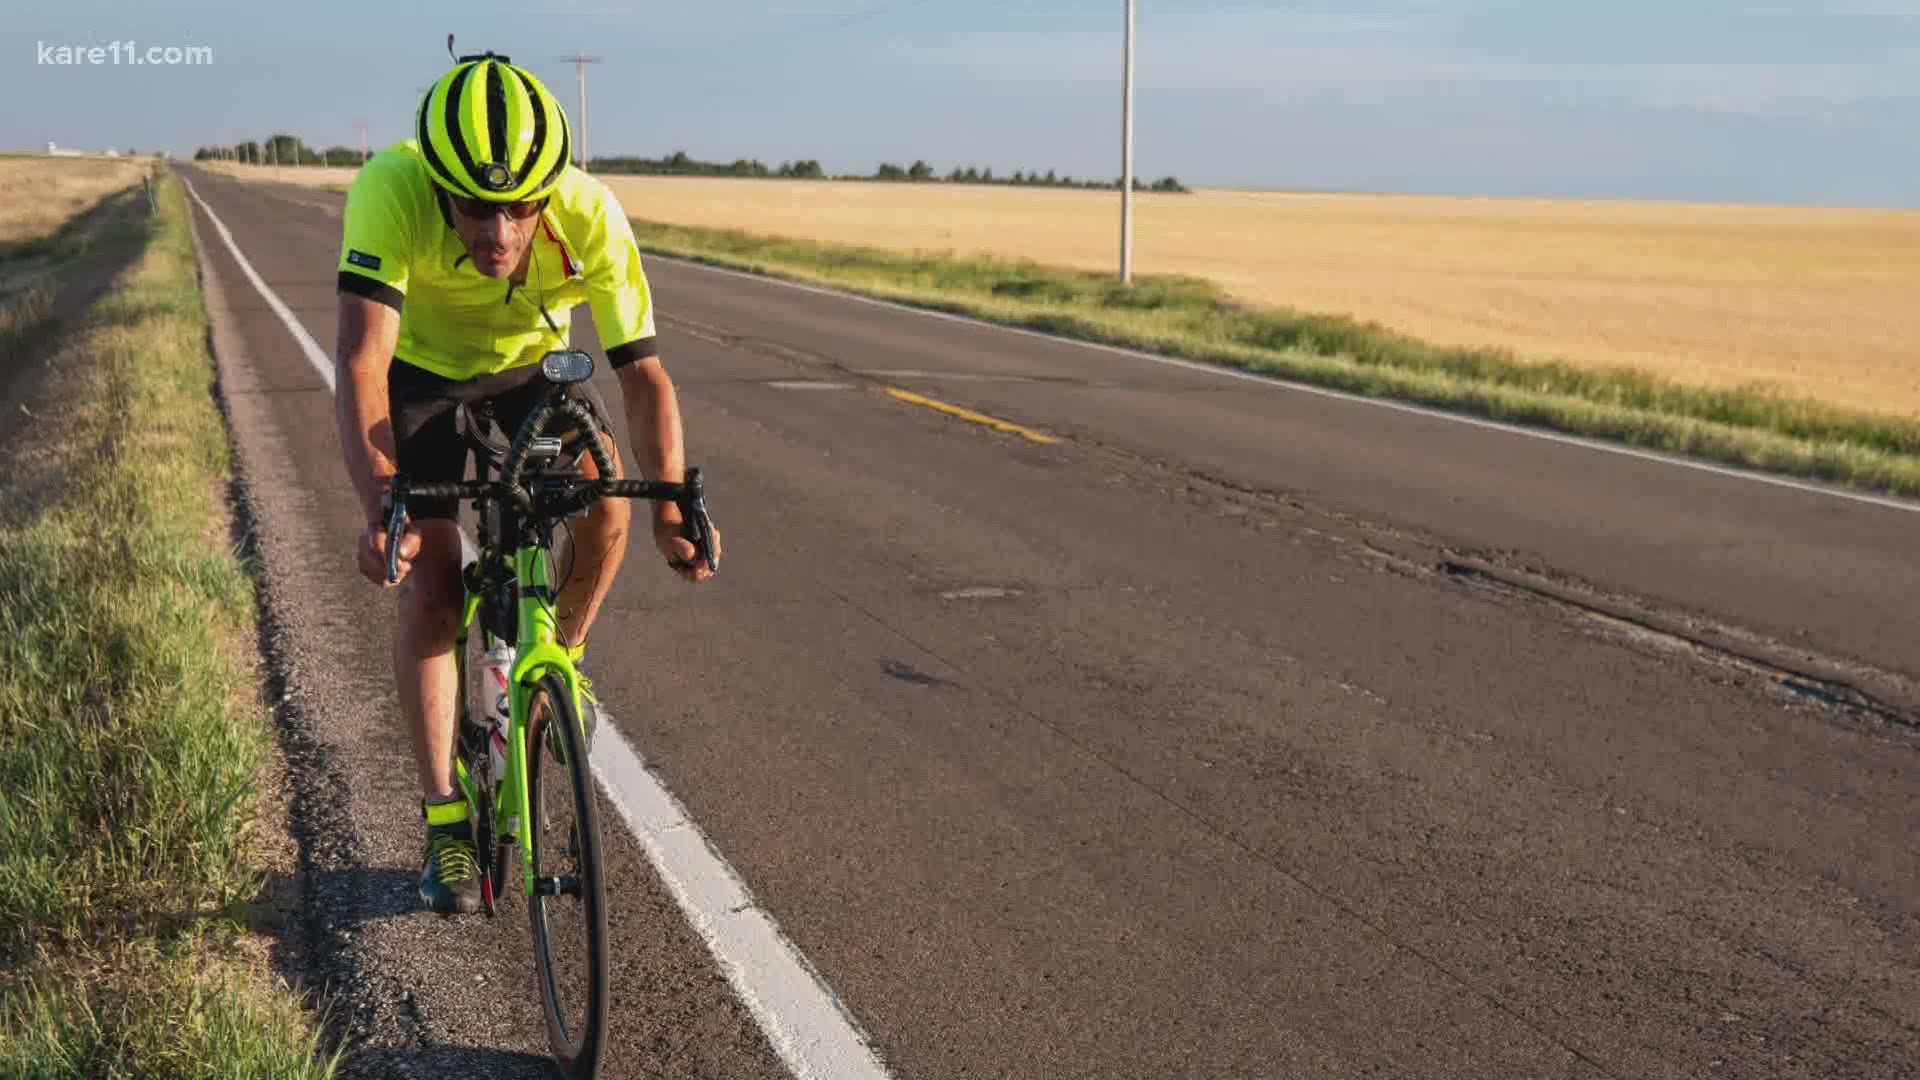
(493, 708)
(492, 713)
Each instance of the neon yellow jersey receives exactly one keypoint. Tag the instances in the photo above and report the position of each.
(399, 248)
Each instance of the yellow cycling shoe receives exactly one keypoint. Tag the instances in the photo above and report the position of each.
(450, 880)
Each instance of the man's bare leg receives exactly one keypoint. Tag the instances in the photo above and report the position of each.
(599, 547)
(423, 661)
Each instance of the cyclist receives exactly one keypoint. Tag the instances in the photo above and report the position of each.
(465, 249)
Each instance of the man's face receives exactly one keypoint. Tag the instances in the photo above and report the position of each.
(496, 240)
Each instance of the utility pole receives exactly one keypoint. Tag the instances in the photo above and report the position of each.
(1126, 162)
(580, 61)
(361, 127)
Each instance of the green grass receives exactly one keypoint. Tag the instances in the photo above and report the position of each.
(1190, 318)
(130, 741)
(165, 1012)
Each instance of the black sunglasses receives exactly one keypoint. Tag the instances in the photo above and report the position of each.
(482, 210)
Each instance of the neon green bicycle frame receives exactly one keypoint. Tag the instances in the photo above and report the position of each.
(538, 652)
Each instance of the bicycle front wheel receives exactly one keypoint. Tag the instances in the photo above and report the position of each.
(568, 909)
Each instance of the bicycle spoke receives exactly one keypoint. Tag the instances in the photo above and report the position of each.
(567, 908)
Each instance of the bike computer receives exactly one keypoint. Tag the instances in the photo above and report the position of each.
(567, 366)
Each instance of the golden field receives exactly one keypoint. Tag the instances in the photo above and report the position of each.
(1819, 303)
(39, 193)
(1822, 303)
(307, 175)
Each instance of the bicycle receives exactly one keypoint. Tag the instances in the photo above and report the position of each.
(523, 494)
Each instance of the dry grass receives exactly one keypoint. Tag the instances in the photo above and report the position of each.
(1820, 304)
(307, 175)
(39, 194)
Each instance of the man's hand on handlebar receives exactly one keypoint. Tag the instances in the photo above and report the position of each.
(371, 553)
(669, 537)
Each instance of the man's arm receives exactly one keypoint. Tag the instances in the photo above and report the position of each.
(622, 304)
(653, 420)
(367, 333)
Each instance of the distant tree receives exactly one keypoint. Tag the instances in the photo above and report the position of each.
(986, 175)
(890, 171)
(920, 170)
(287, 150)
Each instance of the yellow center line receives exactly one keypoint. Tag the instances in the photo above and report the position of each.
(972, 417)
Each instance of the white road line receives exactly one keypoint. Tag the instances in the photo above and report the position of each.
(314, 353)
(804, 1020)
(1886, 501)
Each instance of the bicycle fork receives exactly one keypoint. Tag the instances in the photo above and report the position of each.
(540, 654)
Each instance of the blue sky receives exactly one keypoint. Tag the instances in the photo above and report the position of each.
(1800, 101)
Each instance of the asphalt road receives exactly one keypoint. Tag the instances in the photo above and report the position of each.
(1244, 732)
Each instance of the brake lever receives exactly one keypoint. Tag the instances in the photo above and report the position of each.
(396, 525)
(696, 525)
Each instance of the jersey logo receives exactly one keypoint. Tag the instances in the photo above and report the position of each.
(361, 258)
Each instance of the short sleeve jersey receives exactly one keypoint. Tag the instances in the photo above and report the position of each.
(400, 249)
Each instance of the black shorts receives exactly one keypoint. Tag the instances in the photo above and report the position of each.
(430, 447)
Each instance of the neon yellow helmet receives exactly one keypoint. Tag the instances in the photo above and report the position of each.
(490, 130)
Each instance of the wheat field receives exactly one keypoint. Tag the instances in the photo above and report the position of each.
(1817, 303)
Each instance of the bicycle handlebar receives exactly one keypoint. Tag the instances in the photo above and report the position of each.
(558, 496)
(690, 496)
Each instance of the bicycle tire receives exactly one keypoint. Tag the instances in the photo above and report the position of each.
(558, 778)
